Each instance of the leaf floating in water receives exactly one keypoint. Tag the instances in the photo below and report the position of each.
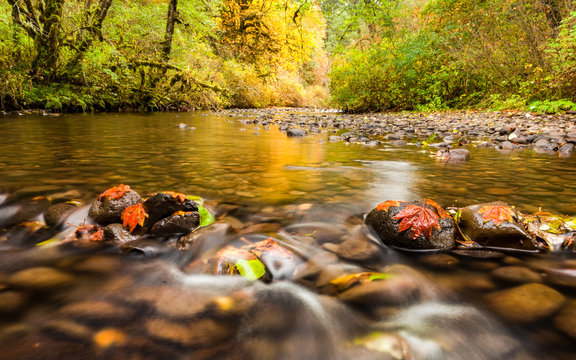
(206, 218)
(419, 219)
(251, 269)
(134, 215)
(344, 282)
(115, 192)
(496, 213)
(387, 204)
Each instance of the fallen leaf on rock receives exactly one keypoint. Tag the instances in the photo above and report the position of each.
(178, 196)
(387, 204)
(134, 215)
(496, 213)
(115, 192)
(419, 219)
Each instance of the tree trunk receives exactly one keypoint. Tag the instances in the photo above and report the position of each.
(171, 21)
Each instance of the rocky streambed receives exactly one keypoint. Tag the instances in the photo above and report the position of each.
(553, 134)
(169, 275)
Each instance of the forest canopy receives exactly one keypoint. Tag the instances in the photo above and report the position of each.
(358, 55)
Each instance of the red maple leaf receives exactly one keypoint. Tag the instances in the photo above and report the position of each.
(419, 219)
(134, 215)
(439, 209)
(387, 204)
(115, 192)
(496, 213)
(179, 196)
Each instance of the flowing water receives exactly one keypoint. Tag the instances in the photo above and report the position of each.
(65, 301)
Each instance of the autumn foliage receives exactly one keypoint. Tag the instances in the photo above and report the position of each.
(115, 192)
(496, 213)
(134, 215)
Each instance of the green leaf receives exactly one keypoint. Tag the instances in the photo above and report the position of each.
(251, 269)
(206, 218)
(197, 199)
(379, 276)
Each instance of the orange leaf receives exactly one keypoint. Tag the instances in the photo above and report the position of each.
(496, 213)
(419, 219)
(440, 209)
(179, 196)
(387, 204)
(115, 192)
(134, 215)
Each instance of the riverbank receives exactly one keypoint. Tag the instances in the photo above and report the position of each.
(506, 131)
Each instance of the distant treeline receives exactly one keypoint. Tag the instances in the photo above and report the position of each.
(358, 55)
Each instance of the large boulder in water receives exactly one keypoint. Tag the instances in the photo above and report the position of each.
(110, 205)
(416, 225)
(178, 223)
(495, 225)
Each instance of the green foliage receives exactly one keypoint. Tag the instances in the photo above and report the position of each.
(251, 269)
(551, 107)
(206, 217)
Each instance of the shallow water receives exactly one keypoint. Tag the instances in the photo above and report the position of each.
(158, 302)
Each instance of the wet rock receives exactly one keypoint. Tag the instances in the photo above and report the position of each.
(68, 328)
(204, 238)
(516, 275)
(147, 248)
(439, 261)
(97, 312)
(202, 332)
(40, 278)
(387, 228)
(11, 301)
(170, 331)
(320, 232)
(162, 205)
(335, 138)
(179, 223)
(57, 214)
(562, 277)
(500, 232)
(479, 254)
(107, 211)
(453, 155)
(566, 151)
(294, 132)
(117, 234)
(396, 290)
(358, 246)
(566, 319)
(525, 303)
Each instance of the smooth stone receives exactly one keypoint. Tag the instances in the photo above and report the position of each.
(170, 331)
(335, 138)
(69, 328)
(202, 332)
(516, 275)
(40, 278)
(11, 301)
(293, 132)
(170, 301)
(97, 311)
(58, 213)
(396, 290)
(562, 277)
(439, 261)
(99, 264)
(526, 303)
(117, 234)
(180, 223)
(566, 319)
(479, 254)
(107, 211)
(566, 151)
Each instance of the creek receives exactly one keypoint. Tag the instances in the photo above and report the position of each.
(156, 302)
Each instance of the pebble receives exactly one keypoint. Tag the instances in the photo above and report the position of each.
(11, 301)
(566, 319)
(525, 303)
(562, 277)
(516, 275)
(41, 278)
(396, 290)
(439, 261)
(98, 312)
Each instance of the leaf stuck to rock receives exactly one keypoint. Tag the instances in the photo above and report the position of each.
(134, 215)
(496, 213)
(115, 192)
(387, 204)
(419, 219)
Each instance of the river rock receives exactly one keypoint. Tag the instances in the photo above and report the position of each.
(294, 132)
(179, 223)
(11, 301)
(357, 246)
(117, 234)
(97, 312)
(162, 205)
(68, 328)
(516, 275)
(439, 261)
(57, 213)
(566, 319)
(566, 151)
(396, 290)
(562, 277)
(525, 303)
(40, 278)
(387, 228)
(107, 211)
(494, 233)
